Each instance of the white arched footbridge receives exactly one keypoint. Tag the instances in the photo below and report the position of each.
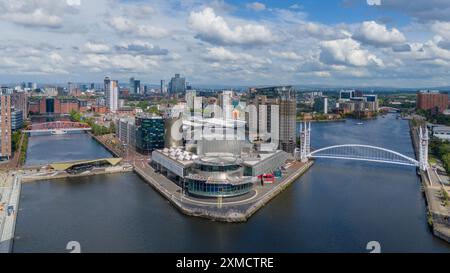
(362, 152)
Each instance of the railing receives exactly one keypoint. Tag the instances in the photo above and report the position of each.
(58, 125)
(364, 153)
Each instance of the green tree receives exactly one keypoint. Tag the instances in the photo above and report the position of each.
(75, 116)
(15, 140)
(112, 127)
(154, 110)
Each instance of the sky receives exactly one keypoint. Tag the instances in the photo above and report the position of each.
(392, 43)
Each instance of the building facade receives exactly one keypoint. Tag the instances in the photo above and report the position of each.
(177, 84)
(321, 105)
(112, 94)
(225, 99)
(5, 127)
(441, 132)
(56, 105)
(226, 170)
(16, 119)
(432, 100)
(272, 101)
(126, 131)
(346, 95)
(217, 177)
(163, 87)
(149, 133)
(189, 98)
(20, 102)
(288, 125)
(135, 86)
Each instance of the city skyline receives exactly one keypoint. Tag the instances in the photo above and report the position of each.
(337, 43)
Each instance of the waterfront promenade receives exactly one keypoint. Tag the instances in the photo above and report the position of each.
(9, 206)
(30, 175)
(329, 203)
(237, 209)
(439, 214)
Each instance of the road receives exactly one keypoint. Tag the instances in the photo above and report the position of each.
(10, 194)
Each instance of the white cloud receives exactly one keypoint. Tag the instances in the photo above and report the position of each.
(140, 48)
(212, 42)
(322, 74)
(423, 10)
(347, 52)
(215, 29)
(441, 28)
(370, 32)
(374, 2)
(37, 18)
(126, 26)
(220, 54)
(37, 13)
(257, 6)
(296, 6)
(56, 57)
(92, 47)
(287, 55)
(427, 51)
(138, 11)
(73, 2)
(118, 63)
(321, 31)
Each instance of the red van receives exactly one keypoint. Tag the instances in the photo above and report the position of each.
(267, 178)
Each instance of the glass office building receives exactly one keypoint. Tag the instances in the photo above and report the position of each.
(218, 176)
(149, 133)
(16, 119)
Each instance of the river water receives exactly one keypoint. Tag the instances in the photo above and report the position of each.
(337, 206)
(47, 148)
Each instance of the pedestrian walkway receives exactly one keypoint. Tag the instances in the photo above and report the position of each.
(9, 204)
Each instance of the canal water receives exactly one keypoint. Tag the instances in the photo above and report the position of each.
(48, 148)
(337, 206)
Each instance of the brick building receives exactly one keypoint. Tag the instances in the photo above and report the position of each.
(5, 127)
(435, 101)
(46, 105)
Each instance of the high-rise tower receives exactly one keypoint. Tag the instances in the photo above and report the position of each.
(112, 94)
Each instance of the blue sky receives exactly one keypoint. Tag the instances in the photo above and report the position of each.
(335, 42)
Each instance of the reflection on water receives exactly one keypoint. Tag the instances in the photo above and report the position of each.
(337, 206)
(47, 148)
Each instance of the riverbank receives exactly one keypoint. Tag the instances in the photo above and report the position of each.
(44, 175)
(223, 210)
(9, 202)
(10, 196)
(19, 155)
(324, 121)
(439, 215)
(108, 147)
(326, 210)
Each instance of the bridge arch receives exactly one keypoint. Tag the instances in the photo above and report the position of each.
(361, 152)
(58, 125)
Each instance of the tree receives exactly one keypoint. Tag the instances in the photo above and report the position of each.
(112, 127)
(75, 116)
(154, 110)
(15, 140)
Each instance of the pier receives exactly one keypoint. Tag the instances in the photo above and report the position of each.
(439, 216)
(10, 194)
(236, 209)
(9, 206)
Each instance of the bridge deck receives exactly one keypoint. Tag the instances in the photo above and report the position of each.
(56, 129)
